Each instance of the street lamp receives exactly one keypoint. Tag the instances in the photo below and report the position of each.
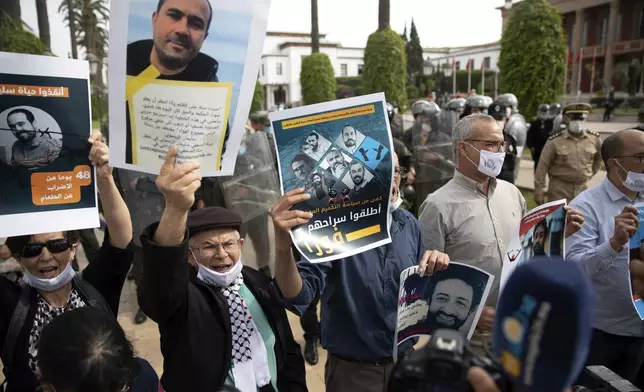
(93, 64)
(508, 4)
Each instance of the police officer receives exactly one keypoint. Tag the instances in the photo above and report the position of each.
(570, 157)
(450, 116)
(424, 112)
(475, 104)
(397, 131)
(557, 119)
(539, 132)
(500, 112)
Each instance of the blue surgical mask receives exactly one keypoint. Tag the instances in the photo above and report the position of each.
(49, 285)
(269, 130)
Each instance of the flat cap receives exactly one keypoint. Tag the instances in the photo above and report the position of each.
(210, 218)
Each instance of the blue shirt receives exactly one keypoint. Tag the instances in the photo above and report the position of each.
(359, 294)
(590, 248)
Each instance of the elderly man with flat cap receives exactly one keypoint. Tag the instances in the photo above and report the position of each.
(220, 323)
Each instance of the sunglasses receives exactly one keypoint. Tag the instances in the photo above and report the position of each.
(34, 249)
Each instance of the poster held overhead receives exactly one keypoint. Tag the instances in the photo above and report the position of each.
(182, 72)
(340, 153)
(48, 183)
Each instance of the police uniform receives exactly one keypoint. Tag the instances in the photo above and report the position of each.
(570, 160)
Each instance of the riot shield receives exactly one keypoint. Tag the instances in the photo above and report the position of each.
(518, 129)
(434, 164)
(143, 199)
(448, 119)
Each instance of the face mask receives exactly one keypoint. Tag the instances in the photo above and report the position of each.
(575, 126)
(490, 163)
(268, 130)
(427, 127)
(242, 150)
(501, 124)
(634, 181)
(543, 116)
(219, 279)
(52, 284)
(393, 206)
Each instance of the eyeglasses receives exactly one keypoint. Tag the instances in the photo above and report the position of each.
(492, 145)
(211, 249)
(639, 156)
(400, 171)
(34, 249)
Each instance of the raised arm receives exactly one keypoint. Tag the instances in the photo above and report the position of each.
(117, 215)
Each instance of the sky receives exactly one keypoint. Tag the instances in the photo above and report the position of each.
(439, 22)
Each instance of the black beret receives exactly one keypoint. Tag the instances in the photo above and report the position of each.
(212, 218)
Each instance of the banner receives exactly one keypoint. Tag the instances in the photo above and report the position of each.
(341, 153)
(449, 299)
(636, 249)
(182, 73)
(45, 121)
(541, 233)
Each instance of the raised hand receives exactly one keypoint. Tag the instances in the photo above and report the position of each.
(178, 183)
(99, 155)
(284, 219)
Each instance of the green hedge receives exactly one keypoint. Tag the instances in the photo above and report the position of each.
(13, 38)
(317, 79)
(533, 55)
(258, 98)
(385, 66)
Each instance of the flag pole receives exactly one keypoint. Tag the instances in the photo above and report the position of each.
(496, 84)
(469, 77)
(566, 72)
(483, 77)
(580, 64)
(453, 75)
(592, 72)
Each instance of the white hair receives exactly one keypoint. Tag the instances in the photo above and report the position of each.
(464, 129)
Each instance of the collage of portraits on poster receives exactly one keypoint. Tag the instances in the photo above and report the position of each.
(340, 153)
(47, 179)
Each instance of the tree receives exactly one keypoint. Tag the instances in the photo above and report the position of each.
(317, 79)
(533, 55)
(258, 98)
(414, 52)
(66, 9)
(385, 66)
(12, 8)
(43, 23)
(384, 14)
(315, 32)
(15, 39)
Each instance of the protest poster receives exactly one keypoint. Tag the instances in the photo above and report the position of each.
(636, 249)
(541, 233)
(450, 299)
(182, 72)
(340, 153)
(45, 122)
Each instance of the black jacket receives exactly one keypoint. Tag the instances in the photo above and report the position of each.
(194, 322)
(538, 135)
(106, 274)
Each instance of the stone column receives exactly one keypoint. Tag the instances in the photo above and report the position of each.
(578, 31)
(611, 37)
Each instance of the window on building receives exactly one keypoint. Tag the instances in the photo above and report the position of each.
(344, 70)
(604, 31)
(584, 35)
(619, 35)
(487, 62)
(641, 25)
(360, 69)
(279, 68)
(458, 65)
(263, 69)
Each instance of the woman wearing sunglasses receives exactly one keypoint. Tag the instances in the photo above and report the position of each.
(50, 287)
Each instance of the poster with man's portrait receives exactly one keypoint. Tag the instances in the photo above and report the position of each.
(182, 72)
(450, 299)
(541, 233)
(636, 251)
(47, 180)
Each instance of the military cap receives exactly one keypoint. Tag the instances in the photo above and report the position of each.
(497, 110)
(210, 218)
(577, 111)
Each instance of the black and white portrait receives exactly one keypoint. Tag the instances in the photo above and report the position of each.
(30, 138)
(358, 179)
(349, 139)
(336, 163)
(315, 146)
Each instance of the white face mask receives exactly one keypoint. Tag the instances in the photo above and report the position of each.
(52, 284)
(501, 124)
(575, 126)
(634, 181)
(490, 163)
(220, 279)
(393, 206)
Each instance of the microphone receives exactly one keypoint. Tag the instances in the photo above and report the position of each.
(543, 324)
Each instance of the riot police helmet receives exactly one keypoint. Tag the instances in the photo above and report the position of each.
(418, 106)
(456, 104)
(477, 104)
(555, 109)
(508, 100)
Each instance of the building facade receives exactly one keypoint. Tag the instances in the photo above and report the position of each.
(605, 44)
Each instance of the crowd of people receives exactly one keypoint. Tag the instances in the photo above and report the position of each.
(223, 324)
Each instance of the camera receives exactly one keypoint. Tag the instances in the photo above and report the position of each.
(442, 366)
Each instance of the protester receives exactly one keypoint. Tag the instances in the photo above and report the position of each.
(601, 248)
(220, 322)
(474, 217)
(359, 294)
(50, 285)
(86, 350)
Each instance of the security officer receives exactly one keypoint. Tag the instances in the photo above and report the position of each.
(395, 122)
(501, 113)
(557, 118)
(539, 132)
(475, 104)
(570, 157)
(451, 114)
(424, 112)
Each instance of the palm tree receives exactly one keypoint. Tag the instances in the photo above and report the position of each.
(384, 14)
(66, 8)
(43, 23)
(315, 32)
(12, 8)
